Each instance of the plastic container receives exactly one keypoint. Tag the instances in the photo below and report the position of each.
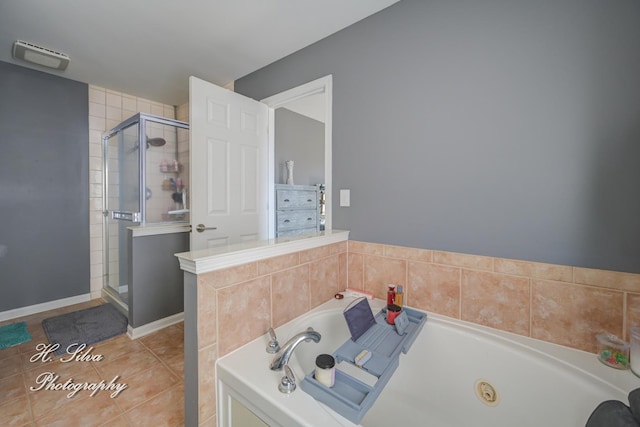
(612, 351)
(399, 295)
(634, 333)
(325, 369)
(393, 311)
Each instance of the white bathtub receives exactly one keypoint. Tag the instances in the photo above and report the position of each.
(537, 383)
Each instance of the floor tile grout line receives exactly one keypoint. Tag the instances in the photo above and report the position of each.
(20, 396)
(30, 396)
(36, 330)
(164, 363)
(176, 385)
(29, 405)
(124, 412)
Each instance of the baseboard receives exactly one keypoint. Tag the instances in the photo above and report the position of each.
(141, 331)
(45, 306)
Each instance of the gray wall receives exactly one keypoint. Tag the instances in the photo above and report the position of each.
(301, 139)
(44, 187)
(156, 289)
(504, 128)
(191, 398)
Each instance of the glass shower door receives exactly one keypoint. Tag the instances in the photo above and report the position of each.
(122, 206)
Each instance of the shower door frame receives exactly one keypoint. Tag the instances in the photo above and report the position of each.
(141, 119)
(137, 218)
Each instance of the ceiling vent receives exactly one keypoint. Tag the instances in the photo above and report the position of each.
(40, 55)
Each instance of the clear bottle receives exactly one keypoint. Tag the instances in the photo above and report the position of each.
(399, 295)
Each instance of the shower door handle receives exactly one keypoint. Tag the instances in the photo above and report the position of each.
(200, 228)
(126, 216)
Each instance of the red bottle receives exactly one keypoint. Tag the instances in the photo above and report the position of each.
(391, 295)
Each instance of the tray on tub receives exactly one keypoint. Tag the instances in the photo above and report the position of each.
(351, 397)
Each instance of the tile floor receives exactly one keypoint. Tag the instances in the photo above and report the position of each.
(152, 367)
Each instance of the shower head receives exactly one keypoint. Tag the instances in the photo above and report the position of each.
(155, 142)
(151, 142)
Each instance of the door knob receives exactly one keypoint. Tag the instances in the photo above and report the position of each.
(201, 228)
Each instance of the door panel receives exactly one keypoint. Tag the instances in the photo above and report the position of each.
(249, 157)
(229, 166)
(217, 190)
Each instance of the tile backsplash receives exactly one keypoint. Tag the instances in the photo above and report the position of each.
(561, 304)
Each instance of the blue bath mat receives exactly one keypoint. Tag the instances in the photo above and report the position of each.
(14, 334)
(87, 326)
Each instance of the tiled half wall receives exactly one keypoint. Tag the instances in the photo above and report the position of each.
(238, 304)
(560, 304)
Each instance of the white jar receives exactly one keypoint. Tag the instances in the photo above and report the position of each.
(325, 369)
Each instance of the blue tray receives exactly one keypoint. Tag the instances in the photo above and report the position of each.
(349, 396)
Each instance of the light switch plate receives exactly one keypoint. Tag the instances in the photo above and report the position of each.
(345, 198)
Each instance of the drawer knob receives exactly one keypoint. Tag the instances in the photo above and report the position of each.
(309, 200)
(286, 200)
(286, 220)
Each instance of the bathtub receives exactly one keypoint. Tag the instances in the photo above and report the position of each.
(456, 374)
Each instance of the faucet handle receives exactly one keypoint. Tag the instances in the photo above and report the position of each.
(288, 382)
(309, 329)
(273, 346)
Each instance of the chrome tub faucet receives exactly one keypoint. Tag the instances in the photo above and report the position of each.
(283, 356)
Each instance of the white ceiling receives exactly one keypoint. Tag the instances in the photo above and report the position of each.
(150, 48)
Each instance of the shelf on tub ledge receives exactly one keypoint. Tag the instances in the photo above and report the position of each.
(351, 397)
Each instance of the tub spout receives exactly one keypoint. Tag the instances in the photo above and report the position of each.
(283, 356)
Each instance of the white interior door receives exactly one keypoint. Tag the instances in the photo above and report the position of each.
(228, 135)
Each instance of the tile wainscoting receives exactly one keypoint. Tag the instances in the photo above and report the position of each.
(560, 304)
(556, 303)
(238, 304)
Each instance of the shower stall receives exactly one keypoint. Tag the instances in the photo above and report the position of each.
(145, 183)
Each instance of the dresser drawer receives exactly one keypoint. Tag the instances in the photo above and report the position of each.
(296, 199)
(296, 219)
(296, 231)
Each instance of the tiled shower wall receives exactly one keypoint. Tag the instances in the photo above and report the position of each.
(106, 110)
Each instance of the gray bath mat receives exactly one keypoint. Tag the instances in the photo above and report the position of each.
(87, 326)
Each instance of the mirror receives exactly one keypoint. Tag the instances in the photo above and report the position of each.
(300, 122)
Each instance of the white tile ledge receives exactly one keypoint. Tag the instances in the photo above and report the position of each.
(206, 260)
(160, 228)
